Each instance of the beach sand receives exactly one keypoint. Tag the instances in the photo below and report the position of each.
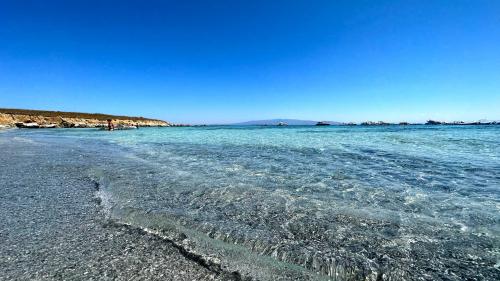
(52, 228)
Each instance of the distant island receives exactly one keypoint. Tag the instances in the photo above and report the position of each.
(297, 122)
(58, 119)
(275, 122)
(429, 122)
(480, 122)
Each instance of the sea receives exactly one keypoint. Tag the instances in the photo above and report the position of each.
(412, 202)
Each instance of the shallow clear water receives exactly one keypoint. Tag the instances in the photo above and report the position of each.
(342, 203)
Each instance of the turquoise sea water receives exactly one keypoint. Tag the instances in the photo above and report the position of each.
(339, 203)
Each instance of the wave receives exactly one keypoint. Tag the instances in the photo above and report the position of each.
(170, 235)
(270, 216)
(234, 254)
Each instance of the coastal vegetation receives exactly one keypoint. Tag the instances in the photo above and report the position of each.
(47, 113)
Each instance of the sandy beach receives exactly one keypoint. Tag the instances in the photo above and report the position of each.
(52, 226)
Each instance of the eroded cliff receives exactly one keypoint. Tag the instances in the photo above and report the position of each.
(11, 117)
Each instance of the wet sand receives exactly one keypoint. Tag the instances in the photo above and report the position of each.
(52, 228)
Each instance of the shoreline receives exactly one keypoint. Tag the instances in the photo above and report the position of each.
(53, 227)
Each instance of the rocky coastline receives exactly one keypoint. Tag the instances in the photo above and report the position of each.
(429, 122)
(10, 118)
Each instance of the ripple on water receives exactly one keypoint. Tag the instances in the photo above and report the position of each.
(349, 204)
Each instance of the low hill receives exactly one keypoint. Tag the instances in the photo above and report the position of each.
(296, 122)
(9, 117)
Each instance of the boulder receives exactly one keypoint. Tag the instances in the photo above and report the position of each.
(47, 126)
(29, 125)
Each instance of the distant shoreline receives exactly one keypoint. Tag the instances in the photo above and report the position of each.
(369, 124)
(27, 118)
(297, 122)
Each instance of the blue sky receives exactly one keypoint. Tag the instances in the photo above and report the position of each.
(228, 61)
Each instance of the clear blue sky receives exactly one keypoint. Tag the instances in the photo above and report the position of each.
(227, 61)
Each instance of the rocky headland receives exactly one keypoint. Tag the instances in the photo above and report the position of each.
(55, 119)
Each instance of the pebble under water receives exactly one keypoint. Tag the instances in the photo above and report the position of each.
(303, 203)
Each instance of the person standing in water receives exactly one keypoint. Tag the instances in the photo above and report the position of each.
(111, 127)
